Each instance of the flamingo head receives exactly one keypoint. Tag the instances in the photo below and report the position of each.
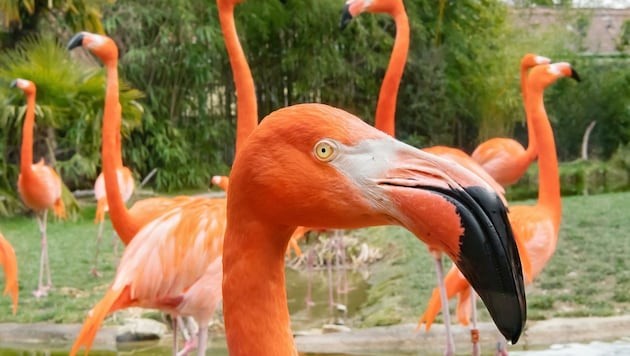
(27, 86)
(220, 181)
(353, 8)
(544, 75)
(101, 46)
(314, 165)
(531, 60)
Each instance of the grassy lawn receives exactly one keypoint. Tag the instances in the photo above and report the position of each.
(588, 275)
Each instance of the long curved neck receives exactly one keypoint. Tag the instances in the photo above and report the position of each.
(386, 106)
(531, 150)
(254, 294)
(123, 222)
(118, 148)
(246, 106)
(548, 176)
(26, 154)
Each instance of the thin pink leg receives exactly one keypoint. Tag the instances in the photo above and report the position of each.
(450, 344)
(203, 340)
(474, 332)
(40, 291)
(99, 235)
(174, 323)
(48, 286)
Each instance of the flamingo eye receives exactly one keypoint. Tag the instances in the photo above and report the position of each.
(325, 150)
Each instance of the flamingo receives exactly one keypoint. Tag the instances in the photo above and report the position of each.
(505, 159)
(10, 268)
(130, 223)
(535, 227)
(359, 177)
(386, 112)
(38, 184)
(173, 264)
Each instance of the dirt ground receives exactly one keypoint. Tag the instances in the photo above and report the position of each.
(398, 339)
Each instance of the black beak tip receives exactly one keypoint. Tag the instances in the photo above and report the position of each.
(575, 75)
(489, 259)
(75, 41)
(284, 2)
(13, 83)
(346, 17)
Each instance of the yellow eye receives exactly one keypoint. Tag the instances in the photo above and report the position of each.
(325, 150)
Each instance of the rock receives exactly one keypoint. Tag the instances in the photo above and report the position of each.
(334, 328)
(140, 330)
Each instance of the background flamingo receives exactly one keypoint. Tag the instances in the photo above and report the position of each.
(173, 264)
(38, 184)
(10, 268)
(505, 159)
(386, 113)
(127, 222)
(535, 227)
(359, 177)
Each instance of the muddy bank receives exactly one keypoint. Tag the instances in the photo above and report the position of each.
(398, 339)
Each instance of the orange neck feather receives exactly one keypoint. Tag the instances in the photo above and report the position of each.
(548, 176)
(386, 107)
(246, 106)
(26, 154)
(254, 296)
(531, 135)
(123, 222)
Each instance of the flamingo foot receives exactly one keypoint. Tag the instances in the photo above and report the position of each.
(96, 273)
(190, 345)
(309, 303)
(40, 292)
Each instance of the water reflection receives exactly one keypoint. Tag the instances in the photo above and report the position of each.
(335, 296)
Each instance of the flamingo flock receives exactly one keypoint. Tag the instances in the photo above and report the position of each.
(184, 255)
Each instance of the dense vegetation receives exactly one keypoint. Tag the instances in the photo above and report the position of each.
(460, 85)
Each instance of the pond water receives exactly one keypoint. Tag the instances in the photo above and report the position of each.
(328, 292)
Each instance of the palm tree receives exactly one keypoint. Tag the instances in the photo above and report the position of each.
(69, 109)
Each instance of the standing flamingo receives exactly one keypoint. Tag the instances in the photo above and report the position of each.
(10, 268)
(505, 159)
(38, 184)
(535, 227)
(359, 177)
(128, 223)
(386, 113)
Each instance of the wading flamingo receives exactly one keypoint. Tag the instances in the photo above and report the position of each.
(38, 184)
(128, 223)
(535, 227)
(359, 177)
(505, 159)
(173, 264)
(10, 268)
(386, 113)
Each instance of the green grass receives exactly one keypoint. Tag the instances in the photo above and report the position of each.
(589, 275)
(71, 250)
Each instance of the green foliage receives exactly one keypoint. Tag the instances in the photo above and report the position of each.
(603, 96)
(68, 114)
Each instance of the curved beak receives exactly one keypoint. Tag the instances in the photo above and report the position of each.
(13, 83)
(454, 211)
(575, 75)
(75, 41)
(346, 17)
